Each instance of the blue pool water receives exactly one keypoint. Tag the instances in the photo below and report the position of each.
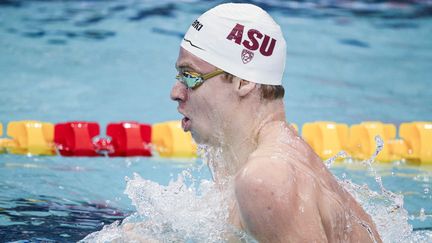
(109, 61)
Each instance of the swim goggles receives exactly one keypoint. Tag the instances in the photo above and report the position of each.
(193, 79)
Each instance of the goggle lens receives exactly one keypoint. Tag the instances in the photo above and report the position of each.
(191, 80)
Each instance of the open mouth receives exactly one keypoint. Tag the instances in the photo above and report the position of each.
(186, 123)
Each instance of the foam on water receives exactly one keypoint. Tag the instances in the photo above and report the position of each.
(186, 210)
(385, 207)
(192, 210)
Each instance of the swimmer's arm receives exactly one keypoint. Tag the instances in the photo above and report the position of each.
(269, 204)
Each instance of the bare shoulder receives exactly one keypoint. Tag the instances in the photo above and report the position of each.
(263, 175)
(278, 196)
(272, 206)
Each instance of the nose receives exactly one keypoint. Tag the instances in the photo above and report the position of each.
(178, 92)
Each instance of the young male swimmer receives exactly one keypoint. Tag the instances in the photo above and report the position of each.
(229, 91)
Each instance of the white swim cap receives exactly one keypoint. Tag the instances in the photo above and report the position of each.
(241, 39)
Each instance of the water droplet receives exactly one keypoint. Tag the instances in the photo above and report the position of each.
(329, 162)
(422, 215)
(301, 209)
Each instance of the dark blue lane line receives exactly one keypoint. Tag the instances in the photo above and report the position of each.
(163, 11)
(429, 228)
(10, 3)
(65, 222)
(91, 20)
(354, 42)
(315, 9)
(174, 33)
(397, 25)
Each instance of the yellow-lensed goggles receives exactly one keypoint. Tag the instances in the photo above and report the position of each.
(193, 79)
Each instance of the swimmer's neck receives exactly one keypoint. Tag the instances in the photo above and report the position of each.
(245, 134)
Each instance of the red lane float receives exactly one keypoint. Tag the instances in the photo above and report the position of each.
(76, 138)
(79, 138)
(130, 139)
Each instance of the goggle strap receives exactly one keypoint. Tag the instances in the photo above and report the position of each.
(212, 74)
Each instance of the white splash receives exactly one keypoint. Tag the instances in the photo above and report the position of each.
(181, 211)
(385, 207)
(329, 162)
(187, 210)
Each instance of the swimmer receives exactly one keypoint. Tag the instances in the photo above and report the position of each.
(229, 90)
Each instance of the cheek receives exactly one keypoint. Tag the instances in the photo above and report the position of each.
(205, 109)
(210, 105)
(216, 113)
(199, 108)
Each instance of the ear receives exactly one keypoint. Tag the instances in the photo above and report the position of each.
(244, 87)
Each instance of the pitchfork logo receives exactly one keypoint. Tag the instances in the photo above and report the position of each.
(246, 56)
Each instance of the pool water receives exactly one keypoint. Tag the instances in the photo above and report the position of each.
(65, 199)
(109, 61)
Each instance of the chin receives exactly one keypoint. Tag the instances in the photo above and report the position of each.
(200, 138)
(196, 136)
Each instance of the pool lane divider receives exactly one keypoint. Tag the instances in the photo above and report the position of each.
(414, 143)
(81, 138)
(167, 139)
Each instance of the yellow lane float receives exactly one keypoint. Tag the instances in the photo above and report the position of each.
(362, 144)
(2, 140)
(170, 140)
(398, 148)
(30, 137)
(417, 137)
(326, 138)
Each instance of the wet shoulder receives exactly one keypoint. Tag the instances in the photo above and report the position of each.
(275, 201)
(283, 142)
(264, 175)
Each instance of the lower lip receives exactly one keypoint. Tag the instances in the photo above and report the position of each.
(186, 123)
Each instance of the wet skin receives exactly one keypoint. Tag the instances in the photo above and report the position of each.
(282, 190)
(285, 193)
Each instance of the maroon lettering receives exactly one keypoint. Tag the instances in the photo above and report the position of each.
(236, 34)
(253, 43)
(265, 49)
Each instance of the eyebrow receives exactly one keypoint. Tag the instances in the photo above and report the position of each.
(186, 65)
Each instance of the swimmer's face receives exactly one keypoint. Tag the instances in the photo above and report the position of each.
(203, 108)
